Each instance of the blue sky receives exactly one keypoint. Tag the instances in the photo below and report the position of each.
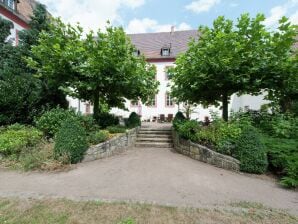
(138, 16)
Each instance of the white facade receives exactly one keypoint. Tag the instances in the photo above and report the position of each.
(161, 108)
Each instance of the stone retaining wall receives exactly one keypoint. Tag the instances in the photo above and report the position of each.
(204, 154)
(115, 145)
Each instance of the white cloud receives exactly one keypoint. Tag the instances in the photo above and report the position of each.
(150, 25)
(202, 5)
(279, 11)
(92, 14)
(294, 18)
(234, 4)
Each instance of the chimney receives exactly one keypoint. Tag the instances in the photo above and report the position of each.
(172, 29)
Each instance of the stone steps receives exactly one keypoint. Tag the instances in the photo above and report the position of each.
(154, 145)
(154, 138)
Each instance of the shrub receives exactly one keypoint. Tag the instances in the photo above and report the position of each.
(179, 117)
(188, 129)
(50, 122)
(283, 158)
(106, 119)
(251, 151)
(17, 137)
(133, 120)
(71, 141)
(116, 129)
(98, 137)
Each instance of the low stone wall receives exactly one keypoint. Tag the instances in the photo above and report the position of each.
(115, 145)
(204, 154)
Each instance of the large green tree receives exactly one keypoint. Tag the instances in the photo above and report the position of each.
(22, 95)
(228, 59)
(100, 68)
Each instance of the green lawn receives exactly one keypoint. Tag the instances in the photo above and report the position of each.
(23, 211)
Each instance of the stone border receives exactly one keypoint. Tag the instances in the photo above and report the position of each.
(204, 154)
(115, 145)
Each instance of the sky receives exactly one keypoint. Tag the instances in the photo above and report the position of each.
(140, 16)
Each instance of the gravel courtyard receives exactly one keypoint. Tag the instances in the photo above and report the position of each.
(150, 175)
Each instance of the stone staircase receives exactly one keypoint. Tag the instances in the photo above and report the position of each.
(155, 137)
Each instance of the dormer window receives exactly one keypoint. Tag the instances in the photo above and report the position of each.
(165, 51)
(137, 53)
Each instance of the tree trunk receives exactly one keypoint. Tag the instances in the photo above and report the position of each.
(96, 110)
(225, 107)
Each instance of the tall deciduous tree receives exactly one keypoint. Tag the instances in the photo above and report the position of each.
(96, 68)
(228, 59)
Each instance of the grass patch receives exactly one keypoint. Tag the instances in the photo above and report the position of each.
(15, 211)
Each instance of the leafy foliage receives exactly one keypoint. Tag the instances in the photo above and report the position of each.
(100, 70)
(133, 120)
(30, 95)
(283, 158)
(106, 119)
(71, 141)
(188, 129)
(251, 151)
(179, 117)
(116, 129)
(98, 137)
(17, 137)
(223, 61)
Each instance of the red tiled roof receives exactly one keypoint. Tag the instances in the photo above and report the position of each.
(150, 44)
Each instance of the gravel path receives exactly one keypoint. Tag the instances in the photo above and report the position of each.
(150, 175)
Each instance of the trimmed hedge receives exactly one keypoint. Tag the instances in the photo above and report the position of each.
(251, 152)
(71, 142)
(116, 129)
(105, 119)
(133, 120)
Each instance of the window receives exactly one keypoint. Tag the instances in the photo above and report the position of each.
(87, 108)
(169, 100)
(152, 102)
(9, 3)
(167, 72)
(165, 52)
(134, 103)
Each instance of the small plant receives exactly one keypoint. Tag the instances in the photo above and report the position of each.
(98, 137)
(105, 119)
(127, 221)
(71, 141)
(251, 151)
(50, 122)
(179, 118)
(133, 120)
(17, 137)
(116, 129)
(188, 129)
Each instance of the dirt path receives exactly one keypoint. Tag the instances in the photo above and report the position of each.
(150, 175)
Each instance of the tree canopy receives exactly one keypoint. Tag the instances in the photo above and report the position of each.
(100, 67)
(227, 59)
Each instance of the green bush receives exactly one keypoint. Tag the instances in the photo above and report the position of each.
(179, 118)
(17, 137)
(50, 122)
(283, 158)
(116, 129)
(251, 151)
(71, 141)
(98, 137)
(106, 119)
(188, 129)
(133, 120)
